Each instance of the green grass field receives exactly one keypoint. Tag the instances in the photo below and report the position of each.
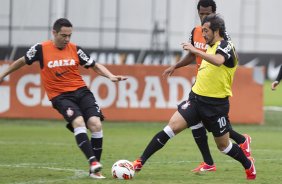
(39, 152)
(272, 98)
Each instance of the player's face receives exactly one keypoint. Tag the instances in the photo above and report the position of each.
(62, 38)
(204, 11)
(208, 34)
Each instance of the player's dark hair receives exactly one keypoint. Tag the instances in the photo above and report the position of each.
(62, 22)
(216, 23)
(207, 3)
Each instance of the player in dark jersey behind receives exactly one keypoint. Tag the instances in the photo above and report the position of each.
(205, 8)
(277, 80)
(208, 101)
(59, 60)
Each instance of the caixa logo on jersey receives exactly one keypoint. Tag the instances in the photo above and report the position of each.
(4, 92)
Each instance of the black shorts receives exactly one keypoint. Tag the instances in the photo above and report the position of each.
(213, 112)
(77, 103)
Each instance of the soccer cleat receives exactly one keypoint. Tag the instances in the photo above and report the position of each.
(246, 145)
(137, 165)
(97, 175)
(204, 167)
(95, 167)
(251, 172)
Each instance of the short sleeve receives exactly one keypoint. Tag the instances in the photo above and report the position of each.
(226, 49)
(34, 54)
(191, 37)
(84, 59)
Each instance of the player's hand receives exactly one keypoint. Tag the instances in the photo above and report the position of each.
(169, 71)
(117, 78)
(274, 85)
(188, 47)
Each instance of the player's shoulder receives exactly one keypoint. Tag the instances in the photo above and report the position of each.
(198, 28)
(225, 46)
(73, 44)
(36, 45)
(34, 51)
(45, 43)
(225, 43)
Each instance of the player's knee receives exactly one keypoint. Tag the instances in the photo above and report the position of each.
(176, 126)
(94, 124)
(225, 147)
(78, 122)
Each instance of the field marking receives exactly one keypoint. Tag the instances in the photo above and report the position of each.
(226, 160)
(272, 108)
(76, 176)
(37, 166)
(82, 173)
(77, 172)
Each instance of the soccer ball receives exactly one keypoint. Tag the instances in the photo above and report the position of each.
(123, 169)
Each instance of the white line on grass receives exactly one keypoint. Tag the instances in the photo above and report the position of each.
(197, 161)
(272, 108)
(77, 173)
(36, 166)
(81, 173)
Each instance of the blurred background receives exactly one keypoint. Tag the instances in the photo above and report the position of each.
(138, 24)
(142, 31)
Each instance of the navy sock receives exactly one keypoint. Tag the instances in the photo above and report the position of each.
(238, 138)
(97, 144)
(158, 141)
(201, 138)
(238, 155)
(85, 146)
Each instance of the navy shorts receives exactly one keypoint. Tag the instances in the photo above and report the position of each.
(213, 112)
(77, 103)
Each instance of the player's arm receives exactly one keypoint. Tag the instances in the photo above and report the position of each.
(86, 61)
(102, 70)
(13, 67)
(186, 60)
(190, 57)
(33, 54)
(216, 59)
(277, 80)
